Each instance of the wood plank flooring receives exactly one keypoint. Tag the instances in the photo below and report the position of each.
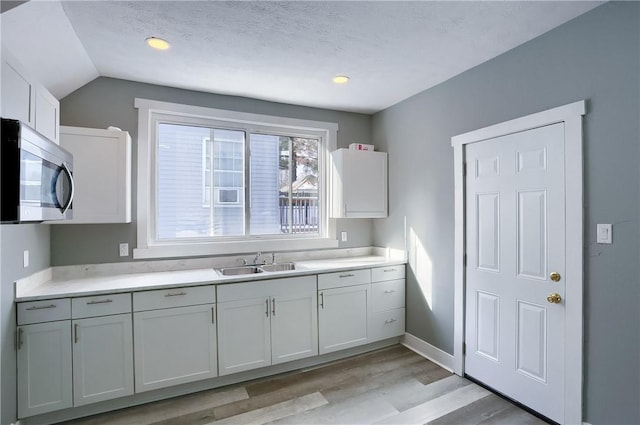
(388, 386)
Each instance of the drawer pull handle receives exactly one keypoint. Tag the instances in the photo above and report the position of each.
(321, 299)
(273, 306)
(75, 333)
(213, 315)
(347, 275)
(100, 302)
(389, 321)
(41, 307)
(176, 294)
(266, 313)
(20, 332)
(389, 270)
(389, 291)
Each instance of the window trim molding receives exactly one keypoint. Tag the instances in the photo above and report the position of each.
(146, 248)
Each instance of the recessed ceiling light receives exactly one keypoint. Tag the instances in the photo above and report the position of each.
(158, 43)
(341, 79)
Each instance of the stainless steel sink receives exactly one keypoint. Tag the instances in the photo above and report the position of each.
(235, 271)
(278, 267)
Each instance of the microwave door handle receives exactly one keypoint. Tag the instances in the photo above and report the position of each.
(68, 204)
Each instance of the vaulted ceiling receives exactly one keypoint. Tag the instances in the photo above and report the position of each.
(278, 51)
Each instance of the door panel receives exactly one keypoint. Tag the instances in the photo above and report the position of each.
(488, 308)
(515, 236)
(488, 213)
(532, 341)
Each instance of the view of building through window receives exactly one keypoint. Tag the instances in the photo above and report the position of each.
(203, 174)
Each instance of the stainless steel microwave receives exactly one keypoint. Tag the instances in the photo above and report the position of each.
(36, 176)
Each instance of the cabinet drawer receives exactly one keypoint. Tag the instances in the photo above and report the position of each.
(102, 305)
(174, 297)
(380, 274)
(388, 295)
(341, 279)
(387, 324)
(44, 311)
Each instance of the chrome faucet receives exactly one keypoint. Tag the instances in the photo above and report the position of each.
(258, 254)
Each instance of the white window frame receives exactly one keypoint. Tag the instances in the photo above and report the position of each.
(147, 247)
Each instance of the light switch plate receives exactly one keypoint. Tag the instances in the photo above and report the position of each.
(124, 249)
(603, 233)
(25, 258)
(343, 236)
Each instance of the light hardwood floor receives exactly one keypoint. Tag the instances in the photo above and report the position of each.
(387, 386)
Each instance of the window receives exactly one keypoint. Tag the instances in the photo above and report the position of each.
(214, 181)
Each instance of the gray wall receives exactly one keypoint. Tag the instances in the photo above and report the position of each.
(594, 57)
(14, 239)
(106, 101)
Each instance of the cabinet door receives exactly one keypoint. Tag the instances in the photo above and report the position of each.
(47, 111)
(343, 316)
(244, 335)
(44, 368)
(359, 184)
(18, 93)
(102, 358)
(294, 326)
(102, 171)
(174, 346)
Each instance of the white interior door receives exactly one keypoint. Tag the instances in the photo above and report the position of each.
(515, 243)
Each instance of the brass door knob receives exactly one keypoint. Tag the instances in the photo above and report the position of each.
(554, 298)
(555, 276)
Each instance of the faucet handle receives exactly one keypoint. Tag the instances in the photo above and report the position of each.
(243, 261)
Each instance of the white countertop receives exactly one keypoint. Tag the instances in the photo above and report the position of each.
(44, 286)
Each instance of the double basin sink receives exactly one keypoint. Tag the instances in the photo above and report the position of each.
(253, 269)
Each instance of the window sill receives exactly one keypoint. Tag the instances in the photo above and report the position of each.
(230, 248)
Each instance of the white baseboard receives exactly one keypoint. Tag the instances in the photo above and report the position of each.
(428, 351)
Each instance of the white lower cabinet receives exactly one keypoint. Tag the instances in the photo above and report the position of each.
(82, 350)
(343, 317)
(174, 346)
(244, 332)
(265, 323)
(44, 368)
(102, 358)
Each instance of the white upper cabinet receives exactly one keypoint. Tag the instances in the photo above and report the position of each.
(358, 184)
(102, 174)
(24, 99)
(47, 114)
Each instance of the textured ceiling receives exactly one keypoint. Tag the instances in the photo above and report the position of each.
(280, 51)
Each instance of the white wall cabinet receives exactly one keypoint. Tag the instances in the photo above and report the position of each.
(174, 345)
(102, 174)
(44, 357)
(358, 184)
(26, 100)
(102, 348)
(265, 323)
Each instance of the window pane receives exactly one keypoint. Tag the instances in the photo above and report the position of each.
(184, 186)
(305, 195)
(284, 185)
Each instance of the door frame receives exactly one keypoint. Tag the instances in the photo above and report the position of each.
(571, 115)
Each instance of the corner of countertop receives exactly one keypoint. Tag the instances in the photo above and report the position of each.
(29, 283)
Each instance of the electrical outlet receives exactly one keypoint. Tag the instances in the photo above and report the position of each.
(343, 236)
(124, 249)
(25, 258)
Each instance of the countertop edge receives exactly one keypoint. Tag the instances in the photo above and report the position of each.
(38, 292)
